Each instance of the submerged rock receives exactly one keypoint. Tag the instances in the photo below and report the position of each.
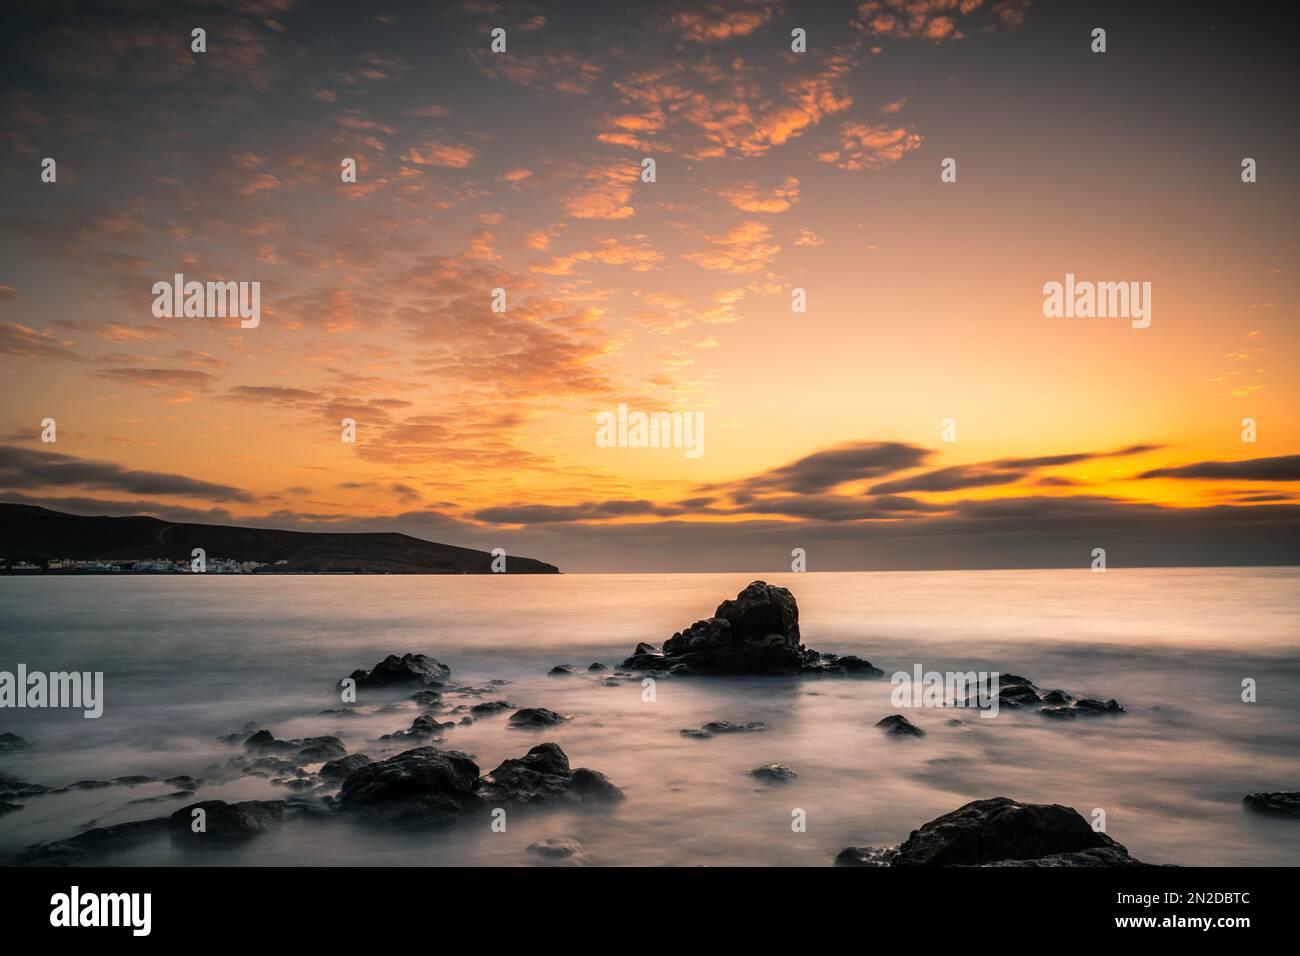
(407, 669)
(428, 784)
(776, 772)
(226, 821)
(303, 750)
(86, 846)
(1001, 830)
(864, 856)
(559, 849)
(11, 743)
(1279, 801)
(424, 784)
(533, 718)
(489, 707)
(896, 725)
(9, 807)
(337, 770)
(596, 668)
(724, 727)
(561, 670)
(422, 728)
(542, 776)
(757, 632)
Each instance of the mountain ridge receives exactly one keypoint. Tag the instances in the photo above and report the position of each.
(35, 534)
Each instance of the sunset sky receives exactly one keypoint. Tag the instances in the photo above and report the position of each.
(775, 170)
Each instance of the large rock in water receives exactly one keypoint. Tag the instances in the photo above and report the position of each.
(394, 671)
(1000, 831)
(756, 633)
(428, 785)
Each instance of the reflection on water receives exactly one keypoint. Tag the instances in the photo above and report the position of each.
(188, 660)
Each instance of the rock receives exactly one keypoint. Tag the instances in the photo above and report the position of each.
(9, 807)
(85, 846)
(833, 664)
(1000, 829)
(863, 856)
(1281, 802)
(337, 770)
(728, 727)
(724, 727)
(1086, 707)
(1093, 857)
(1057, 697)
(227, 821)
(542, 776)
(757, 632)
(777, 772)
(133, 780)
(317, 749)
(596, 668)
(182, 782)
(489, 707)
(305, 750)
(11, 788)
(11, 743)
(954, 722)
(421, 785)
(407, 669)
(896, 725)
(559, 849)
(427, 698)
(1058, 712)
(561, 670)
(1017, 695)
(264, 740)
(422, 728)
(536, 717)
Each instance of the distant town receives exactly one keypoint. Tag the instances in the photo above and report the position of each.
(147, 566)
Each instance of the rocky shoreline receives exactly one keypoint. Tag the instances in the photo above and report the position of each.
(428, 784)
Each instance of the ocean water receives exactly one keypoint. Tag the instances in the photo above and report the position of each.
(188, 660)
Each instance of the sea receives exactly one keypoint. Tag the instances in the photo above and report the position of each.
(1205, 662)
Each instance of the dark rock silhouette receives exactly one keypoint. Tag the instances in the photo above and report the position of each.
(999, 832)
(757, 632)
(533, 718)
(428, 784)
(407, 669)
(227, 821)
(776, 772)
(1281, 802)
(896, 725)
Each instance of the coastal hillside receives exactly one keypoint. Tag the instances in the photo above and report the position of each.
(38, 535)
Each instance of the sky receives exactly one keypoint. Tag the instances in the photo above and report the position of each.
(921, 412)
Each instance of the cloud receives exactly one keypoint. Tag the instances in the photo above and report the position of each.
(717, 21)
(605, 194)
(1280, 468)
(25, 342)
(159, 377)
(742, 249)
(750, 197)
(935, 20)
(866, 146)
(1002, 471)
(825, 470)
(28, 470)
(435, 153)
